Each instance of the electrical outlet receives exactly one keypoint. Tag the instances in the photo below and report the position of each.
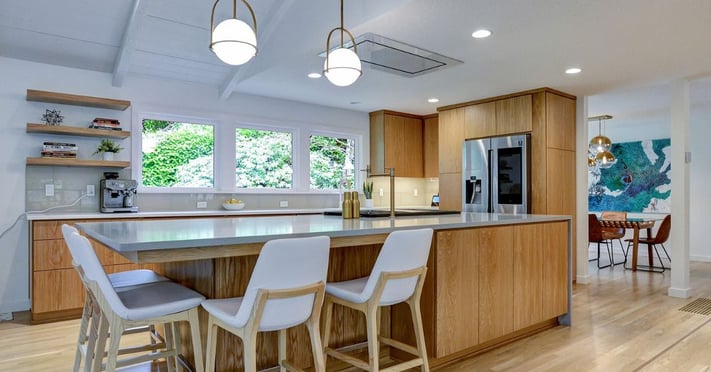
(202, 204)
(283, 204)
(90, 191)
(49, 189)
(414, 192)
(380, 191)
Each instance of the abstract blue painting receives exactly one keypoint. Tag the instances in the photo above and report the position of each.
(638, 182)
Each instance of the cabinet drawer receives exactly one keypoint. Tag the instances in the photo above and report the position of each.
(50, 255)
(43, 230)
(56, 290)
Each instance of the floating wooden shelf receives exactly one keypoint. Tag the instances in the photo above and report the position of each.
(76, 131)
(77, 100)
(78, 162)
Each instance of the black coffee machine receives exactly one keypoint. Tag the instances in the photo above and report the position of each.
(117, 195)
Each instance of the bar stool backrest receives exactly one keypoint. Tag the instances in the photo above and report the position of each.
(83, 254)
(284, 264)
(403, 250)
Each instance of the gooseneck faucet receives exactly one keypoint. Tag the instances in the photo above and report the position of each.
(391, 174)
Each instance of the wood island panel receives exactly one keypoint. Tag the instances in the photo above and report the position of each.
(457, 323)
(555, 269)
(528, 261)
(496, 295)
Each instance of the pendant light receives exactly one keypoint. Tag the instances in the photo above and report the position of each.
(233, 41)
(600, 145)
(342, 66)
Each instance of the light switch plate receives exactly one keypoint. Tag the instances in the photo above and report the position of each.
(202, 204)
(90, 191)
(49, 189)
(283, 203)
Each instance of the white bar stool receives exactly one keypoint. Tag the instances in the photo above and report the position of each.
(397, 276)
(121, 281)
(286, 289)
(160, 302)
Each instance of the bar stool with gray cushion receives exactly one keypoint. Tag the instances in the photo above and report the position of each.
(121, 281)
(160, 302)
(286, 289)
(397, 276)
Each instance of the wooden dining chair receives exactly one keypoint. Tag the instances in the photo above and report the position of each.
(596, 235)
(652, 242)
(615, 233)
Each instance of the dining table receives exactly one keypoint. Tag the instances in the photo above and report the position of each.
(635, 224)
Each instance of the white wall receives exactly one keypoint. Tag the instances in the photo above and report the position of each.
(180, 98)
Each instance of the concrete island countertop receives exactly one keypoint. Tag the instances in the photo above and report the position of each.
(188, 214)
(134, 236)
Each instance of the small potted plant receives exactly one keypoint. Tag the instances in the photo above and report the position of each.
(368, 192)
(107, 148)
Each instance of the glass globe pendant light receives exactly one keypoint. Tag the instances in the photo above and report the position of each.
(342, 66)
(233, 41)
(600, 143)
(605, 159)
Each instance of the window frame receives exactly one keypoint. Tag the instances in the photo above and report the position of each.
(224, 151)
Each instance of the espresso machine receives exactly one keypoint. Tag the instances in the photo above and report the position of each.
(117, 195)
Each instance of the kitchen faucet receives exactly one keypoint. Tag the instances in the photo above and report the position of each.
(391, 174)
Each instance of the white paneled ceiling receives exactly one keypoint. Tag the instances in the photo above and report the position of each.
(622, 46)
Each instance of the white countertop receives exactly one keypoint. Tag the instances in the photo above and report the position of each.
(201, 213)
(137, 235)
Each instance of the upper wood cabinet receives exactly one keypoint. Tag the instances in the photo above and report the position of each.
(451, 140)
(431, 146)
(396, 142)
(498, 118)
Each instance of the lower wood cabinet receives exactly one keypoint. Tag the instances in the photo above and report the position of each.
(492, 282)
(57, 291)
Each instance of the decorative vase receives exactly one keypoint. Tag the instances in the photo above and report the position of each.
(368, 204)
(109, 156)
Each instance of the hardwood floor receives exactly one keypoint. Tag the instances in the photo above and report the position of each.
(622, 321)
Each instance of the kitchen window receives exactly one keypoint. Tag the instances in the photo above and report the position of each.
(176, 154)
(332, 161)
(187, 154)
(263, 159)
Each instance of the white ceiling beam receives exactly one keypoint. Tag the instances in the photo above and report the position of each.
(128, 42)
(239, 74)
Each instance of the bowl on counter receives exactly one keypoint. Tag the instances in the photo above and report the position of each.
(233, 206)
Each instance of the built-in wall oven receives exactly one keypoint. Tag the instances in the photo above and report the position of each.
(496, 174)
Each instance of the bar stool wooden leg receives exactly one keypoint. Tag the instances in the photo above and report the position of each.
(171, 342)
(326, 332)
(316, 345)
(100, 342)
(197, 341)
(371, 320)
(419, 332)
(211, 347)
(282, 350)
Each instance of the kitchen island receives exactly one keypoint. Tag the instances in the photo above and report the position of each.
(492, 278)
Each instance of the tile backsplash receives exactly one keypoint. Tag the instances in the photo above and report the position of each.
(70, 184)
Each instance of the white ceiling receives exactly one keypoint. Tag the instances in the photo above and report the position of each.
(629, 50)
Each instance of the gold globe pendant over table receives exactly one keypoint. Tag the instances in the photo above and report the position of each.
(233, 41)
(599, 149)
(342, 66)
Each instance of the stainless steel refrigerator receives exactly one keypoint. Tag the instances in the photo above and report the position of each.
(496, 174)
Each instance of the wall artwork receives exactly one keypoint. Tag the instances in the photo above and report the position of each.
(640, 180)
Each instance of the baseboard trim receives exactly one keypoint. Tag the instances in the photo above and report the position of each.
(679, 292)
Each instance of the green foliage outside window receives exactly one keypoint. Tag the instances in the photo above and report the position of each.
(329, 159)
(177, 154)
(263, 159)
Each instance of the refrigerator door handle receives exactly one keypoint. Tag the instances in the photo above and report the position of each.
(493, 180)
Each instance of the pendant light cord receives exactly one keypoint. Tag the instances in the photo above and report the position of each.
(341, 23)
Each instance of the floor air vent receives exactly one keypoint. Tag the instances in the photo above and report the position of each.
(381, 53)
(699, 306)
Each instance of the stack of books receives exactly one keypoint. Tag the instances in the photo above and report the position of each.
(59, 150)
(104, 123)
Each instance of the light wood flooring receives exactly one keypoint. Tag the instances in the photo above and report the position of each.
(622, 321)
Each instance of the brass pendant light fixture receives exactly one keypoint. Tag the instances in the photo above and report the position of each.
(342, 66)
(233, 41)
(599, 148)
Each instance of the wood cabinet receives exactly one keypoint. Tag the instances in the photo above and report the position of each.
(493, 283)
(497, 118)
(57, 291)
(451, 140)
(76, 100)
(396, 142)
(431, 146)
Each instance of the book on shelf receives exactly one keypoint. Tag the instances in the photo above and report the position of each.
(59, 154)
(59, 146)
(106, 121)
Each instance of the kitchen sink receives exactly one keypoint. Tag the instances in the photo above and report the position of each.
(398, 212)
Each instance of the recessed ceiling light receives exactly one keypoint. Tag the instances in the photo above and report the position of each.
(314, 75)
(480, 34)
(355, 102)
(573, 70)
(433, 100)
